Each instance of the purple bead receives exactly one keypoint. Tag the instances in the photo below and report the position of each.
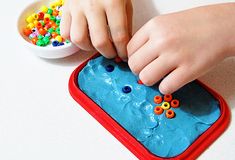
(32, 35)
(48, 34)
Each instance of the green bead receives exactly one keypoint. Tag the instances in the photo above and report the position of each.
(57, 22)
(53, 18)
(43, 23)
(57, 30)
(46, 40)
(40, 37)
(51, 30)
(67, 41)
(40, 43)
(49, 11)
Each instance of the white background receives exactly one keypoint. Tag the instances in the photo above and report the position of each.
(40, 121)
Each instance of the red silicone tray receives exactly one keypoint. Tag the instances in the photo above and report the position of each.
(196, 148)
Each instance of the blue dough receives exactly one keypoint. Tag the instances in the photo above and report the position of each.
(135, 111)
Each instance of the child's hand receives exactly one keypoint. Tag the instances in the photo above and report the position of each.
(87, 24)
(182, 46)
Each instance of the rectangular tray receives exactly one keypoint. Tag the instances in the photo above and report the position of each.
(192, 152)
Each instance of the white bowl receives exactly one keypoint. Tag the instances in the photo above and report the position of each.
(49, 51)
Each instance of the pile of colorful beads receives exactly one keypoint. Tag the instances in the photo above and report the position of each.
(43, 27)
(165, 104)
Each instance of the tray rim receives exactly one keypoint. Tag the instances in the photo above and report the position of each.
(192, 152)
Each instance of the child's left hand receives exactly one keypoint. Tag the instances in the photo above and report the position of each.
(182, 46)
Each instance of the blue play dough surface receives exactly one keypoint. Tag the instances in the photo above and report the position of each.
(135, 110)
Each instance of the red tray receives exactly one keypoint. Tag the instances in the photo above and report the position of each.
(192, 152)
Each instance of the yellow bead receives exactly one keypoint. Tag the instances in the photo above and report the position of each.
(59, 2)
(53, 6)
(44, 9)
(62, 2)
(35, 22)
(30, 19)
(35, 16)
(59, 38)
(30, 26)
(166, 105)
(60, 13)
(47, 16)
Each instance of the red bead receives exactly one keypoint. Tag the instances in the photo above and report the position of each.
(27, 32)
(47, 26)
(40, 15)
(42, 31)
(46, 20)
(140, 82)
(118, 60)
(39, 25)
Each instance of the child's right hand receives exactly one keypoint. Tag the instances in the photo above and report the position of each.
(103, 25)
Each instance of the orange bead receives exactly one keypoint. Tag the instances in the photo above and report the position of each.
(54, 26)
(54, 35)
(51, 23)
(42, 31)
(157, 99)
(170, 114)
(175, 103)
(55, 13)
(27, 31)
(34, 41)
(158, 110)
(39, 25)
(46, 20)
(168, 97)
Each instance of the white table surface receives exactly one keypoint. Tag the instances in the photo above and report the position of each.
(40, 121)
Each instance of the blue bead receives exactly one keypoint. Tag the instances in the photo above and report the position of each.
(109, 68)
(55, 43)
(60, 44)
(126, 89)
